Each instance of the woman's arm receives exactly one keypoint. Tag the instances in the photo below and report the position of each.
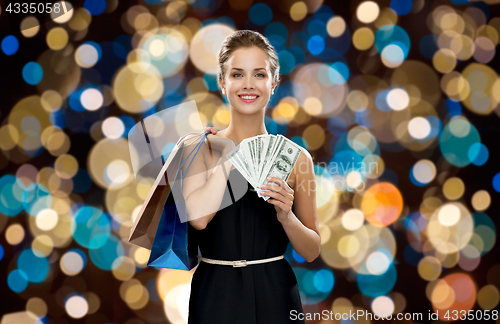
(302, 226)
(203, 197)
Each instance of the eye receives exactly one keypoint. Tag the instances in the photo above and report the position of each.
(236, 74)
(261, 74)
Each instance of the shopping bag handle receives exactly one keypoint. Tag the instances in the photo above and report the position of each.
(197, 148)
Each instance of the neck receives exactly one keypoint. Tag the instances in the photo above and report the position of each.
(244, 126)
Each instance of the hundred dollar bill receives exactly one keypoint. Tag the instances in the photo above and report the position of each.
(267, 154)
(253, 156)
(287, 155)
(240, 164)
(270, 158)
(245, 152)
(263, 144)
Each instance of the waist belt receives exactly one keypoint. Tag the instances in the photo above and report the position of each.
(239, 263)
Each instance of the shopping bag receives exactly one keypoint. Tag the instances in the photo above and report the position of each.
(175, 245)
(146, 224)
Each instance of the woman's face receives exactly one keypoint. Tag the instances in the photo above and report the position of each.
(248, 80)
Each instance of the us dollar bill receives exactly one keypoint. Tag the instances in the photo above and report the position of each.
(269, 159)
(287, 155)
(240, 163)
(265, 156)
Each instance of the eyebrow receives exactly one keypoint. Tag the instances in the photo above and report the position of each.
(237, 69)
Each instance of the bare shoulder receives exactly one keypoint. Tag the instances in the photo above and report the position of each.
(303, 168)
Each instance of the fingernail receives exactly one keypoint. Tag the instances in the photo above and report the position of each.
(268, 178)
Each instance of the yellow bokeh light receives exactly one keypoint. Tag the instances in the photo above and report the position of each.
(123, 268)
(30, 26)
(76, 306)
(453, 188)
(313, 106)
(398, 99)
(363, 38)
(14, 234)
(488, 297)
(66, 166)
(314, 135)
(57, 38)
(348, 246)
(449, 215)
(481, 200)
(429, 268)
(335, 26)
(444, 60)
(42, 245)
(353, 219)
(66, 7)
(367, 12)
(46, 219)
(298, 11)
(37, 306)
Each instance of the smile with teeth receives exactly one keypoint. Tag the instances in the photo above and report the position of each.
(248, 97)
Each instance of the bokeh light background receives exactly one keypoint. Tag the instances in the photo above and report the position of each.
(409, 88)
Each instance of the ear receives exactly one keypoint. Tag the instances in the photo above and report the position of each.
(221, 84)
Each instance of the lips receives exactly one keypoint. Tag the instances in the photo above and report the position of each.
(248, 95)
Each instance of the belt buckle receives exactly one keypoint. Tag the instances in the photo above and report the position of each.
(239, 263)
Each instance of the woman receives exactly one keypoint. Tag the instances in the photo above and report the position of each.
(251, 228)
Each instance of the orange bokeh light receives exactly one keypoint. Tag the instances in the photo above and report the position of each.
(382, 204)
(463, 296)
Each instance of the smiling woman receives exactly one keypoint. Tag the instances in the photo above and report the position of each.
(249, 84)
(243, 277)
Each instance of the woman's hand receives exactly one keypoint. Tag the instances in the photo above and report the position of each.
(210, 129)
(281, 197)
(218, 143)
(221, 144)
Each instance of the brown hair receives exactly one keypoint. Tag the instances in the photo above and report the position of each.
(246, 39)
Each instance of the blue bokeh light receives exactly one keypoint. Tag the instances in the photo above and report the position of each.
(95, 7)
(478, 154)
(496, 182)
(10, 45)
(374, 286)
(260, 14)
(90, 227)
(401, 7)
(34, 266)
(32, 73)
(11, 195)
(316, 45)
(392, 35)
(17, 280)
(104, 256)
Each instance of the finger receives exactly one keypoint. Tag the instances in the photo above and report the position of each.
(281, 183)
(272, 194)
(273, 188)
(278, 203)
(278, 181)
(285, 199)
(210, 129)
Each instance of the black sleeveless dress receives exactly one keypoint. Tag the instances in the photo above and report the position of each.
(258, 293)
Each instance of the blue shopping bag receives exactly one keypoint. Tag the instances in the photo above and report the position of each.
(175, 245)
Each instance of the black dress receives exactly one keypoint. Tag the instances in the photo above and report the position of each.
(256, 294)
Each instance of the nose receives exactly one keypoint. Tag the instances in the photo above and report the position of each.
(248, 82)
